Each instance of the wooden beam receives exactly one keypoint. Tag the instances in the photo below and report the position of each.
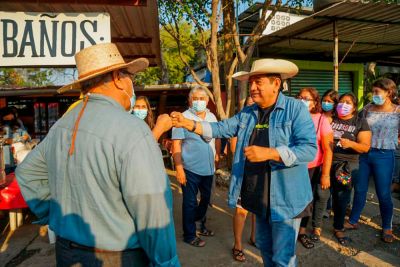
(87, 2)
(138, 56)
(131, 40)
(358, 21)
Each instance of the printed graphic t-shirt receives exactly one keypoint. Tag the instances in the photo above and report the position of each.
(348, 129)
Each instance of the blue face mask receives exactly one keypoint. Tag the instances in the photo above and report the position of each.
(140, 113)
(306, 103)
(327, 106)
(378, 100)
(199, 105)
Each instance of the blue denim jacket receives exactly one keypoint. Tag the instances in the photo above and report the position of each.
(292, 134)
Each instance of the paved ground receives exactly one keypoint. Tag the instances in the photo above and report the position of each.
(25, 247)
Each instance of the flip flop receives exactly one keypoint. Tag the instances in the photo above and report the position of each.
(238, 255)
(305, 241)
(206, 232)
(387, 237)
(197, 242)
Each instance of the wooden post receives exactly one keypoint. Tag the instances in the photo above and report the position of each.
(335, 57)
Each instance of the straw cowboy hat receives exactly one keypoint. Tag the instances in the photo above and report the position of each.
(100, 59)
(285, 68)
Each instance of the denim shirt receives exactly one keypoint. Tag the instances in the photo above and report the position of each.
(112, 193)
(292, 134)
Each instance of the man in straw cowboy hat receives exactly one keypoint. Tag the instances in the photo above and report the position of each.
(98, 178)
(275, 141)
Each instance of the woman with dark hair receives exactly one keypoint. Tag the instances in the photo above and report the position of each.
(319, 168)
(352, 137)
(328, 103)
(383, 118)
(142, 110)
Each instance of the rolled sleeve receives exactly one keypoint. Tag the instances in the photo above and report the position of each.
(287, 155)
(178, 134)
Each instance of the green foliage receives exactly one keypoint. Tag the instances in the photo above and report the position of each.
(150, 76)
(25, 77)
(190, 43)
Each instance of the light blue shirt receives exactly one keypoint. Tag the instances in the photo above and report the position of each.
(16, 135)
(292, 134)
(198, 154)
(112, 193)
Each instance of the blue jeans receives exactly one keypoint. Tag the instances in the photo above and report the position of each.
(191, 210)
(396, 171)
(277, 241)
(67, 254)
(379, 163)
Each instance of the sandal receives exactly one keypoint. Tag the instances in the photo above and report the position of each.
(350, 226)
(387, 237)
(206, 232)
(238, 255)
(305, 241)
(316, 235)
(342, 240)
(197, 242)
(253, 243)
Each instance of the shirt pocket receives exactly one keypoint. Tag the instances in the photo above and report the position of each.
(282, 133)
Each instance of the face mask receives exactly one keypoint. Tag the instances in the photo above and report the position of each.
(306, 103)
(199, 105)
(327, 106)
(132, 99)
(378, 100)
(344, 109)
(140, 113)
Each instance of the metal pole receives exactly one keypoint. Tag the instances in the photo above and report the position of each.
(335, 57)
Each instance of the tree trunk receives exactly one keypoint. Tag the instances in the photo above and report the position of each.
(214, 60)
(229, 47)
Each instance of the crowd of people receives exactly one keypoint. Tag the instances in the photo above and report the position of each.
(98, 178)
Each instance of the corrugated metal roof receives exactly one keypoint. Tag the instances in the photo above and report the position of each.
(134, 28)
(374, 28)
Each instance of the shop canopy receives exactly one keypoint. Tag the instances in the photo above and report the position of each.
(365, 31)
(134, 23)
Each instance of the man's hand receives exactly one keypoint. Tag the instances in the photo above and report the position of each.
(325, 181)
(257, 153)
(164, 122)
(178, 120)
(181, 176)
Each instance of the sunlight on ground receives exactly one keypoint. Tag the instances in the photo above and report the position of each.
(253, 255)
(4, 246)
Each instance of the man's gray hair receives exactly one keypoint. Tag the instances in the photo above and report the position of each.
(197, 88)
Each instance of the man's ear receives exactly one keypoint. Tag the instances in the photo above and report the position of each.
(117, 78)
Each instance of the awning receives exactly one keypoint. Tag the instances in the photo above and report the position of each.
(366, 32)
(134, 23)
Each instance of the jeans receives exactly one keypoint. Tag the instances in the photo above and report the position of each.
(320, 199)
(191, 210)
(396, 172)
(277, 241)
(341, 195)
(379, 163)
(67, 255)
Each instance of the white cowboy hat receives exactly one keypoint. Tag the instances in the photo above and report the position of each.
(99, 59)
(285, 68)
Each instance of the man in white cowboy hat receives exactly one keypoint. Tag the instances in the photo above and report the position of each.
(98, 177)
(275, 141)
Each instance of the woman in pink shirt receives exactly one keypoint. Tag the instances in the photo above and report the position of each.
(319, 168)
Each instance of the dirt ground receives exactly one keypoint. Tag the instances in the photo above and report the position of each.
(25, 247)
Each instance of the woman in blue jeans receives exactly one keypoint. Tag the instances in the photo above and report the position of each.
(383, 119)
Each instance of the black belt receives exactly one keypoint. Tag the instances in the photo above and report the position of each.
(74, 245)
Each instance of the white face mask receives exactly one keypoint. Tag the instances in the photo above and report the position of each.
(132, 99)
(199, 105)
